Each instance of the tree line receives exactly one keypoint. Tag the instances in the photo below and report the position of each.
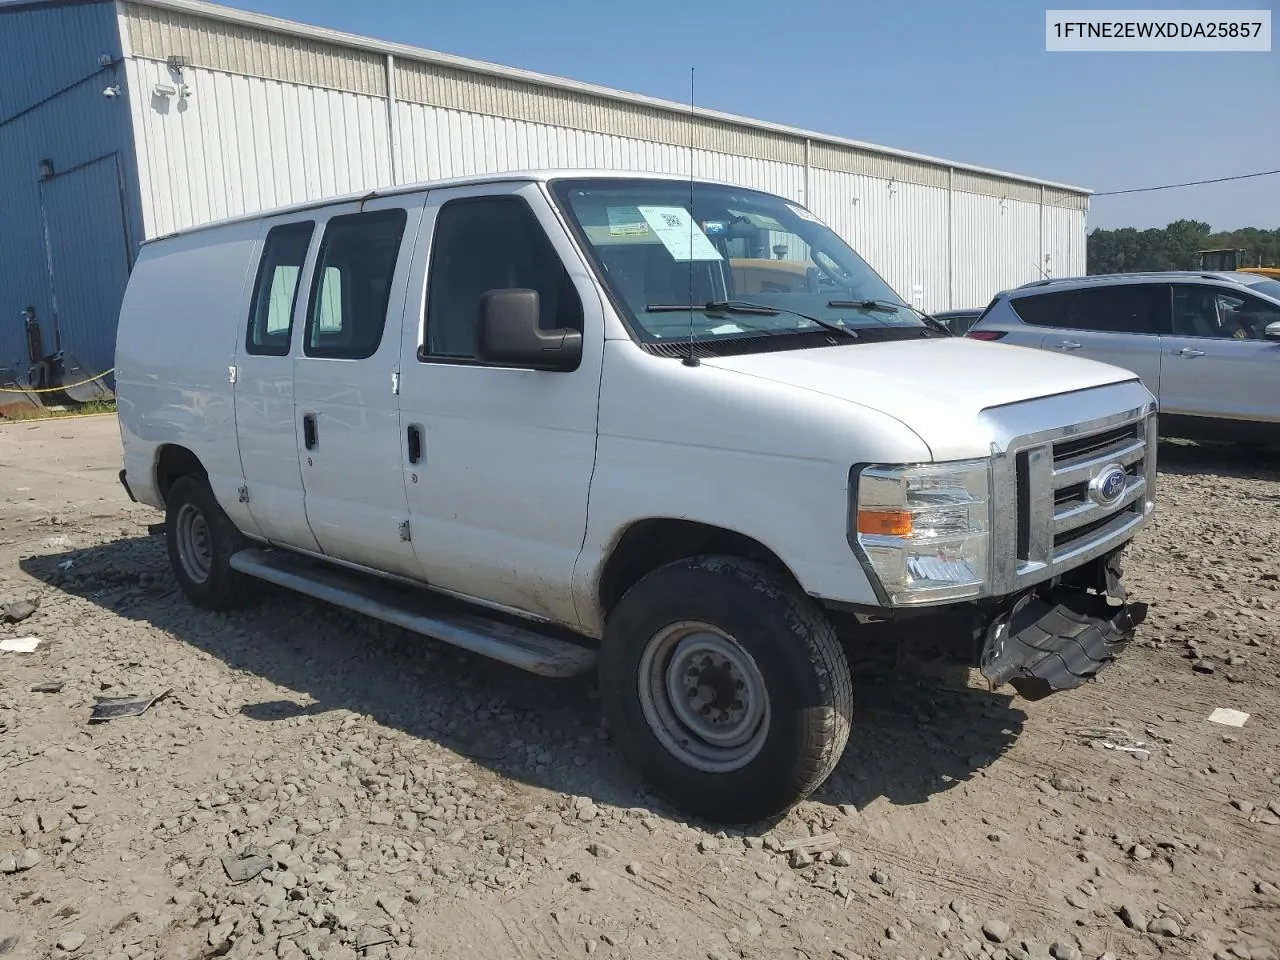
(1175, 247)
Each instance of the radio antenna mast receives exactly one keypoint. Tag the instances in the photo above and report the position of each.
(691, 359)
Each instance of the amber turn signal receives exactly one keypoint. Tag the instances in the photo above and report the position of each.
(885, 523)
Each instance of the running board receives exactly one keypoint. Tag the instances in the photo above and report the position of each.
(417, 611)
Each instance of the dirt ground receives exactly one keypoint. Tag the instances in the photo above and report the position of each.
(397, 798)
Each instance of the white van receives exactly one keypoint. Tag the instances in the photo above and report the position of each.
(679, 432)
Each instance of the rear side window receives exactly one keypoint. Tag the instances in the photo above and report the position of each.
(352, 286)
(490, 243)
(275, 291)
(1045, 310)
(1130, 308)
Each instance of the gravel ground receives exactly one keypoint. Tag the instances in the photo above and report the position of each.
(314, 784)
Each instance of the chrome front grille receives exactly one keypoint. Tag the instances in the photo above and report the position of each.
(1080, 520)
(1059, 515)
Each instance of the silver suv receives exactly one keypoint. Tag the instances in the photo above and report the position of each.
(1206, 344)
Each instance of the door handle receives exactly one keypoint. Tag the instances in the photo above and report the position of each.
(1068, 345)
(309, 430)
(415, 443)
(1189, 352)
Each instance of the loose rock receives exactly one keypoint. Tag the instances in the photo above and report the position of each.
(799, 859)
(241, 869)
(1133, 917)
(1165, 927)
(18, 611)
(997, 931)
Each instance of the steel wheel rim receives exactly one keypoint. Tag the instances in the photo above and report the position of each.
(195, 548)
(704, 697)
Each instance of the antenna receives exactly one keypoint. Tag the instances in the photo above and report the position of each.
(691, 359)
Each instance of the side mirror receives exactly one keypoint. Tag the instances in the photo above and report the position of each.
(509, 333)
(1272, 331)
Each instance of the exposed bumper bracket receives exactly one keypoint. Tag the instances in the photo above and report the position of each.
(1057, 640)
(124, 482)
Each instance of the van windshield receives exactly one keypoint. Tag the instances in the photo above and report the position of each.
(664, 258)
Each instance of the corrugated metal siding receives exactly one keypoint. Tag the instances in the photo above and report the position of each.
(253, 50)
(43, 51)
(997, 246)
(48, 49)
(439, 86)
(899, 228)
(977, 183)
(90, 254)
(158, 34)
(826, 156)
(240, 144)
(1066, 200)
(1064, 242)
(436, 143)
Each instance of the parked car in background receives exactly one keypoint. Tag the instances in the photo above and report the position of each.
(957, 321)
(1206, 344)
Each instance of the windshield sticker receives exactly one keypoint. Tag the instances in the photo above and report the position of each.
(802, 213)
(679, 234)
(627, 222)
(714, 228)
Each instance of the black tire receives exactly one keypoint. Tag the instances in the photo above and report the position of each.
(191, 503)
(792, 645)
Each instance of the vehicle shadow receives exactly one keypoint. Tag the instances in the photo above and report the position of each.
(911, 740)
(1185, 458)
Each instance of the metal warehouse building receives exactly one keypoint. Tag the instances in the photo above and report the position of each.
(121, 121)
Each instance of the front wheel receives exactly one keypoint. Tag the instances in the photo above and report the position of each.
(725, 687)
(201, 539)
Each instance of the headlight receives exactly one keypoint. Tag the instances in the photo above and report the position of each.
(924, 531)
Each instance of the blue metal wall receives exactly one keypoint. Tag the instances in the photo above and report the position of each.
(66, 241)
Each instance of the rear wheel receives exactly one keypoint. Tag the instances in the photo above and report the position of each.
(726, 687)
(201, 540)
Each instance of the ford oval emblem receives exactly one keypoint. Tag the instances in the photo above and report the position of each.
(1109, 485)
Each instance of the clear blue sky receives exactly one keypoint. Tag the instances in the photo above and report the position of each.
(965, 81)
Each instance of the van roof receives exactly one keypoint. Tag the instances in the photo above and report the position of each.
(541, 175)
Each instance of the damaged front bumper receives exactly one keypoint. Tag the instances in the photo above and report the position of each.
(1058, 637)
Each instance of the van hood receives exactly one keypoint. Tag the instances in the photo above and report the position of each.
(937, 388)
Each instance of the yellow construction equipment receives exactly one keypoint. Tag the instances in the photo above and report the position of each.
(1234, 259)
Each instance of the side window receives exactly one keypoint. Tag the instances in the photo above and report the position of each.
(1110, 309)
(490, 243)
(1046, 309)
(1218, 313)
(352, 286)
(275, 291)
(1122, 309)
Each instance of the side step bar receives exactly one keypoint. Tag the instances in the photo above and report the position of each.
(529, 650)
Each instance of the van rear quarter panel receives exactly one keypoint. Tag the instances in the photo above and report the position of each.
(179, 324)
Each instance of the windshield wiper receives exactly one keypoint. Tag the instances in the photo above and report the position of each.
(889, 306)
(751, 309)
